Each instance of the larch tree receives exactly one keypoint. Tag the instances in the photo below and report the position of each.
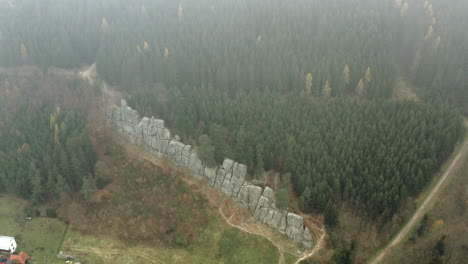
(429, 33)
(429, 10)
(166, 53)
(145, 45)
(368, 76)
(346, 75)
(24, 52)
(398, 3)
(104, 24)
(180, 12)
(308, 84)
(360, 88)
(404, 9)
(327, 90)
(259, 39)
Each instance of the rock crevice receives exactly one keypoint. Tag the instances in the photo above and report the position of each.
(229, 178)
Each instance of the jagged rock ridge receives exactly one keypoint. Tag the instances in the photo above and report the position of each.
(151, 134)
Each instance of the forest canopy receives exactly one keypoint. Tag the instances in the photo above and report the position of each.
(305, 87)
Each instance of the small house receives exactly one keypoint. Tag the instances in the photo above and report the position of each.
(22, 258)
(7, 244)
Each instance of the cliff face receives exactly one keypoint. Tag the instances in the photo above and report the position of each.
(152, 135)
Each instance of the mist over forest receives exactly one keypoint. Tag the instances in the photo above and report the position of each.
(354, 105)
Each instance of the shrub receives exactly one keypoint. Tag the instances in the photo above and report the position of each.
(51, 212)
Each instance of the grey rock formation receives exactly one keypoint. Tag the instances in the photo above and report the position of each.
(229, 178)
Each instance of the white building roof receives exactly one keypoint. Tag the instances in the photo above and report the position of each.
(7, 244)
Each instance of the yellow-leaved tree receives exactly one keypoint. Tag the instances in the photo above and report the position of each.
(429, 10)
(368, 76)
(327, 90)
(146, 45)
(346, 75)
(180, 12)
(104, 24)
(166, 53)
(308, 84)
(24, 52)
(398, 3)
(404, 9)
(361, 88)
(429, 33)
(259, 39)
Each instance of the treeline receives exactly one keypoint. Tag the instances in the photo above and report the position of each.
(45, 151)
(371, 154)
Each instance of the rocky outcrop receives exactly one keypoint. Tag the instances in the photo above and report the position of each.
(229, 178)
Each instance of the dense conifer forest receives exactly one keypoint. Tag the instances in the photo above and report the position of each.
(303, 87)
(44, 151)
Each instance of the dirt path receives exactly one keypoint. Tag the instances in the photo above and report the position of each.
(423, 208)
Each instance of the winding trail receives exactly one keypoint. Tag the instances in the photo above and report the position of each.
(423, 208)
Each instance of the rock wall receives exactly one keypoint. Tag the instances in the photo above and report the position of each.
(151, 134)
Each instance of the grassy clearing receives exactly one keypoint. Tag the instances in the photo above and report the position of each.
(217, 244)
(39, 237)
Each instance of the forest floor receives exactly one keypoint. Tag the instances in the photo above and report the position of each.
(424, 207)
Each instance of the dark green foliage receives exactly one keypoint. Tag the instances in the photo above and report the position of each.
(438, 252)
(206, 151)
(282, 198)
(344, 255)
(373, 154)
(51, 212)
(38, 161)
(331, 216)
(422, 226)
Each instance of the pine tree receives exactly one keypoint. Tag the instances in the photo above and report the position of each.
(56, 134)
(205, 151)
(259, 158)
(37, 188)
(88, 188)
